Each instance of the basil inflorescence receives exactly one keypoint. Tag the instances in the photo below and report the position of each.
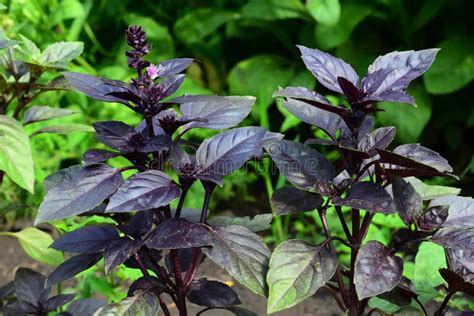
(166, 243)
(367, 179)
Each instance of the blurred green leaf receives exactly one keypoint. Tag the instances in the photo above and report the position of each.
(58, 54)
(330, 36)
(429, 259)
(64, 129)
(273, 9)
(197, 24)
(15, 153)
(430, 192)
(36, 244)
(453, 67)
(409, 121)
(260, 76)
(325, 12)
(427, 12)
(27, 51)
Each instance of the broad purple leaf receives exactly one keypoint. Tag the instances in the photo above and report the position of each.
(243, 254)
(407, 201)
(301, 93)
(30, 286)
(289, 200)
(424, 155)
(142, 191)
(89, 239)
(178, 234)
(461, 210)
(93, 156)
(62, 175)
(173, 66)
(350, 90)
(118, 251)
(400, 295)
(462, 262)
(302, 166)
(203, 292)
(115, 134)
(329, 122)
(367, 196)
(433, 218)
(169, 85)
(376, 270)
(389, 75)
(327, 68)
(57, 301)
(226, 152)
(147, 284)
(73, 266)
(155, 143)
(297, 270)
(379, 138)
(140, 223)
(7, 290)
(44, 113)
(455, 238)
(216, 112)
(97, 88)
(457, 282)
(85, 306)
(87, 188)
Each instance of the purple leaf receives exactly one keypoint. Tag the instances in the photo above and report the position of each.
(367, 196)
(98, 88)
(56, 301)
(407, 201)
(172, 66)
(89, 239)
(115, 134)
(169, 85)
(226, 152)
(457, 282)
(289, 200)
(461, 210)
(60, 176)
(140, 223)
(376, 270)
(433, 218)
(87, 188)
(350, 90)
(147, 284)
(30, 286)
(203, 292)
(455, 238)
(216, 112)
(178, 234)
(242, 254)
(302, 166)
(329, 122)
(256, 223)
(73, 266)
(327, 68)
(301, 93)
(93, 156)
(424, 156)
(462, 262)
(85, 306)
(389, 75)
(118, 251)
(377, 139)
(142, 191)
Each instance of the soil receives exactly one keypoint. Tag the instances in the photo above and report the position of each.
(13, 257)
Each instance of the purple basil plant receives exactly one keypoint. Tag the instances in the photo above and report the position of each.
(166, 243)
(367, 179)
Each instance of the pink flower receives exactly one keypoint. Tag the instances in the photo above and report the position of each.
(152, 71)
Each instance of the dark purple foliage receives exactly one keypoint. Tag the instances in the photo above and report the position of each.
(365, 178)
(159, 241)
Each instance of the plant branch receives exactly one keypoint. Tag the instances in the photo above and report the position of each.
(336, 297)
(340, 282)
(164, 308)
(184, 192)
(445, 302)
(343, 223)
